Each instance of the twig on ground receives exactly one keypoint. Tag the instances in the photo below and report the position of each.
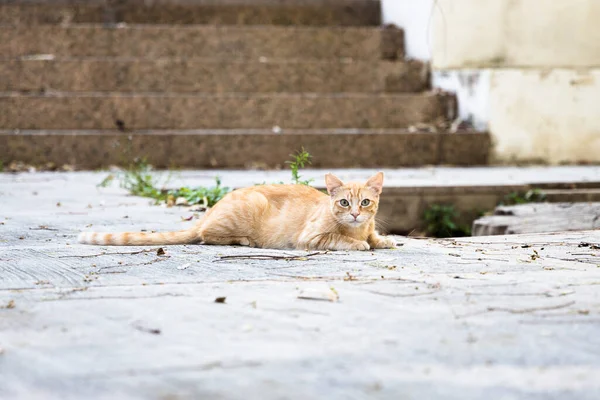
(518, 310)
(110, 254)
(269, 257)
(532, 309)
(403, 294)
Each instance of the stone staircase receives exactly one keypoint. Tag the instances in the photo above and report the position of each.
(198, 84)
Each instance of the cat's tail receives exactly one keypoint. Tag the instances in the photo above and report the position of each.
(139, 238)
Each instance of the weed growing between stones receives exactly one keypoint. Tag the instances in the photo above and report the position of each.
(441, 222)
(530, 196)
(140, 180)
(299, 160)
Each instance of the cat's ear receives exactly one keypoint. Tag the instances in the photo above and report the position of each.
(375, 182)
(333, 183)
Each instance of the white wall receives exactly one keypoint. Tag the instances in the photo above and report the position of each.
(415, 17)
(527, 70)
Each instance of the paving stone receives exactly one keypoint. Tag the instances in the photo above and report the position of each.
(470, 318)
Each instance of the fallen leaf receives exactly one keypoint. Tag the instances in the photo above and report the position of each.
(181, 201)
(170, 201)
(535, 255)
(160, 251)
(187, 218)
(349, 277)
(152, 331)
(9, 305)
(220, 299)
(320, 295)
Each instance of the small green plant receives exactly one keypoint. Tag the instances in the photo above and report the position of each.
(442, 222)
(139, 180)
(207, 196)
(299, 160)
(530, 196)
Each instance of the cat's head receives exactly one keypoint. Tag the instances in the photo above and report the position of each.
(354, 204)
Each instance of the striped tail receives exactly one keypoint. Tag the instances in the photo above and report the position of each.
(139, 239)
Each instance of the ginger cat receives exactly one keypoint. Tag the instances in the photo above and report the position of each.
(279, 217)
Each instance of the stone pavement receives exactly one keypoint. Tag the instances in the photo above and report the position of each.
(510, 317)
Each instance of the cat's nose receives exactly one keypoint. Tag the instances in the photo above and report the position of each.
(355, 215)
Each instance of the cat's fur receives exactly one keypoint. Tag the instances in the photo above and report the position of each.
(279, 217)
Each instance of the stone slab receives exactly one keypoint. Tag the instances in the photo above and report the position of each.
(202, 41)
(473, 318)
(243, 148)
(212, 75)
(130, 111)
(539, 218)
(228, 12)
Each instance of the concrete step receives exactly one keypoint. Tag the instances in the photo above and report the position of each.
(572, 195)
(221, 111)
(244, 148)
(155, 41)
(229, 12)
(211, 75)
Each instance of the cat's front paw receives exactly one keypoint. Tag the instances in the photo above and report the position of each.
(385, 243)
(360, 246)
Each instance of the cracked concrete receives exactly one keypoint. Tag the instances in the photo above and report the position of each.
(512, 317)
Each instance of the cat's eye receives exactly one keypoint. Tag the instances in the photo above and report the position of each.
(365, 202)
(344, 203)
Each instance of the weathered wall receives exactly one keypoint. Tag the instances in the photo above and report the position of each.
(538, 61)
(529, 70)
(414, 16)
(551, 115)
(516, 33)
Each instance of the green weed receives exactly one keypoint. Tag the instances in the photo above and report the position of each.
(299, 160)
(140, 180)
(441, 221)
(530, 196)
(207, 196)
